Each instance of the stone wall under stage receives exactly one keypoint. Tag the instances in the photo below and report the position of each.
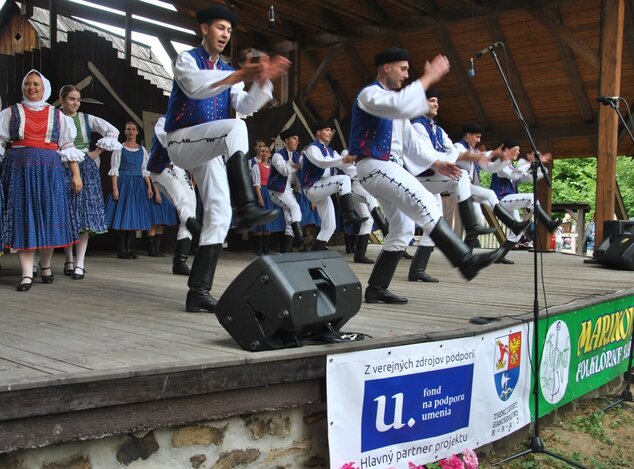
(284, 439)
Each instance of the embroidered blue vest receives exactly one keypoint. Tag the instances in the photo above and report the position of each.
(159, 158)
(183, 111)
(503, 186)
(435, 135)
(310, 172)
(14, 124)
(370, 136)
(277, 182)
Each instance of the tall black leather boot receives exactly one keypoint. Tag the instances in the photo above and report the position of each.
(419, 265)
(286, 243)
(506, 217)
(179, 261)
(193, 226)
(266, 242)
(151, 246)
(300, 242)
(158, 239)
(243, 196)
(122, 245)
(361, 249)
(380, 221)
(129, 242)
(550, 224)
(458, 253)
(257, 241)
(506, 247)
(470, 220)
(350, 243)
(348, 215)
(382, 273)
(319, 245)
(201, 279)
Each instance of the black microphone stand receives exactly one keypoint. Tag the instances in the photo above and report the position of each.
(535, 444)
(626, 395)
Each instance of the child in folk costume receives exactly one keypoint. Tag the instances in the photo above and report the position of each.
(88, 205)
(128, 207)
(37, 213)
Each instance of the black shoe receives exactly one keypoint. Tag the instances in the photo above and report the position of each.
(69, 270)
(550, 224)
(25, 286)
(179, 261)
(504, 260)
(300, 242)
(383, 295)
(506, 217)
(201, 279)
(46, 278)
(470, 220)
(421, 277)
(78, 275)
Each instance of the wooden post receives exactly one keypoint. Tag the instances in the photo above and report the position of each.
(128, 33)
(610, 85)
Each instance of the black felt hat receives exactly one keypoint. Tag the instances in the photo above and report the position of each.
(391, 54)
(472, 128)
(217, 12)
(325, 124)
(290, 132)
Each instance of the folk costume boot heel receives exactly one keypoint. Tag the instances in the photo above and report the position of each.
(243, 196)
(506, 217)
(470, 220)
(179, 261)
(419, 265)
(382, 273)
(300, 241)
(458, 253)
(201, 279)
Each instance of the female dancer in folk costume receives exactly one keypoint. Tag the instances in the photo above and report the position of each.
(260, 172)
(128, 206)
(88, 204)
(37, 213)
(162, 214)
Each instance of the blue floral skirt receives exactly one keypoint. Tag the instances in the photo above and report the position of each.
(37, 211)
(88, 205)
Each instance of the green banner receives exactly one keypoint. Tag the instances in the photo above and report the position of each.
(581, 351)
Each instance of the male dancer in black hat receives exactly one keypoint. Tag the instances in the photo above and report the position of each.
(381, 134)
(284, 164)
(204, 140)
(319, 182)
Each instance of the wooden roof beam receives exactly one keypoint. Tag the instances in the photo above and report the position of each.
(515, 79)
(566, 36)
(572, 72)
(357, 63)
(369, 11)
(458, 70)
(332, 85)
(322, 69)
(421, 7)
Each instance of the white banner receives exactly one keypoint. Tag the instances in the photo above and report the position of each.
(424, 402)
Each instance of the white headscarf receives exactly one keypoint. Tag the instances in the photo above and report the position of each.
(36, 105)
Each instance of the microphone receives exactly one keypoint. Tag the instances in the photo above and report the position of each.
(484, 52)
(607, 100)
(471, 71)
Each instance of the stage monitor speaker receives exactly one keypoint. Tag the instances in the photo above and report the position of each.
(288, 300)
(616, 251)
(617, 227)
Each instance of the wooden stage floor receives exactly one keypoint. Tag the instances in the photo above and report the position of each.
(126, 321)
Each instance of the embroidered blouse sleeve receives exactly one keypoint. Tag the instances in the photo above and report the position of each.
(110, 133)
(146, 157)
(115, 162)
(5, 136)
(255, 175)
(66, 141)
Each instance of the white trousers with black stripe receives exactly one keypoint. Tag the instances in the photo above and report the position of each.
(319, 194)
(201, 150)
(288, 203)
(514, 202)
(176, 184)
(403, 198)
(364, 203)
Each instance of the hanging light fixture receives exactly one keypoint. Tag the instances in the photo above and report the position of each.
(272, 17)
